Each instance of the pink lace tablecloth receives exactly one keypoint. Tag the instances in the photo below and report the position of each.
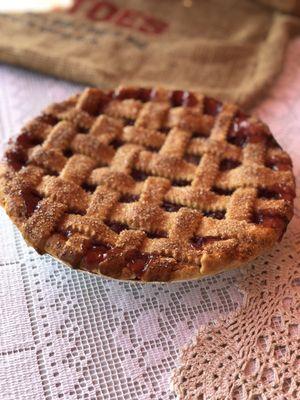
(68, 335)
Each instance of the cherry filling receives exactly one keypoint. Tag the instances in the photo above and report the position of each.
(189, 100)
(31, 202)
(68, 233)
(116, 226)
(279, 165)
(88, 188)
(95, 255)
(274, 221)
(156, 235)
(227, 164)
(212, 106)
(238, 139)
(129, 121)
(125, 93)
(139, 175)
(139, 262)
(142, 94)
(152, 149)
(268, 194)
(182, 98)
(242, 131)
(68, 153)
(279, 193)
(26, 140)
(241, 114)
(287, 194)
(237, 134)
(180, 182)
(128, 198)
(136, 261)
(75, 211)
(199, 135)
(192, 158)
(116, 143)
(170, 207)
(223, 192)
(83, 129)
(16, 157)
(164, 129)
(176, 98)
(218, 214)
(198, 242)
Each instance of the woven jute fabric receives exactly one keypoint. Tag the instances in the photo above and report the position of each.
(229, 49)
(287, 6)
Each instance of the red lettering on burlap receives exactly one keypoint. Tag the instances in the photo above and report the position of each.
(102, 11)
(132, 19)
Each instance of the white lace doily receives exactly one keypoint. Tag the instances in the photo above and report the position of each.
(68, 335)
(253, 353)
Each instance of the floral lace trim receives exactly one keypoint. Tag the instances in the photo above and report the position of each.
(252, 354)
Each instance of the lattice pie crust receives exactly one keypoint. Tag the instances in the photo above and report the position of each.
(147, 184)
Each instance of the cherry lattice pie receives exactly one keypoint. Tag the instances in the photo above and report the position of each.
(147, 184)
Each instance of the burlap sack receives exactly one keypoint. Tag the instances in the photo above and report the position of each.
(226, 48)
(288, 6)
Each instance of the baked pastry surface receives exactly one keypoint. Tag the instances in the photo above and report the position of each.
(147, 184)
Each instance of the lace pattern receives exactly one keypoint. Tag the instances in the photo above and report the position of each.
(253, 353)
(69, 335)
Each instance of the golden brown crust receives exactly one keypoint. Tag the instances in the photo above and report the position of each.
(148, 184)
